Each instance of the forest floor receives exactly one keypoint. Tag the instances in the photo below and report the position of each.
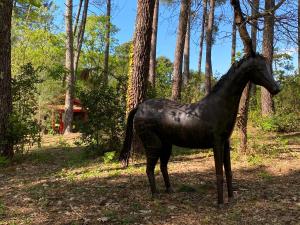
(59, 184)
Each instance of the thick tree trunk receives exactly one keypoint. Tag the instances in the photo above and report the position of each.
(177, 72)
(80, 35)
(267, 104)
(298, 36)
(69, 69)
(186, 52)
(233, 41)
(141, 51)
(209, 31)
(152, 69)
(6, 147)
(107, 42)
(242, 119)
(202, 35)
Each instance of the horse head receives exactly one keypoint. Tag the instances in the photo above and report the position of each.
(262, 74)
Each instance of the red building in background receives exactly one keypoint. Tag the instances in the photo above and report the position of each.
(58, 111)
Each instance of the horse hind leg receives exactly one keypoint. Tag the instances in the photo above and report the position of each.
(151, 162)
(164, 159)
(152, 147)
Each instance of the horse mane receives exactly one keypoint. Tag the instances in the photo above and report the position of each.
(233, 67)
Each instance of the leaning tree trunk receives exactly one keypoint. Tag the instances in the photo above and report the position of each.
(186, 51)
(69, 69)
(6, 147)
(77, 16)
(79, 36)
(202, 35)
(233, 41)
(267, 104)
(177, 72)
(107, 42)
(209, 32)
(245, 98)
(152, 69)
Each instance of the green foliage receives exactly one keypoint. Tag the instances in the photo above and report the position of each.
(109, 157)
(163, 85)
(193, 91)
(24, 128)
(103, 129)
(3, 162)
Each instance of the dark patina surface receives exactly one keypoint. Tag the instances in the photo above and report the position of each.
(161, 123)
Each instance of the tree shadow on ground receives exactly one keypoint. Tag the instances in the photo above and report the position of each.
(123, 197)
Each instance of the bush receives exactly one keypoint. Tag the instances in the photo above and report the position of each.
(24, 129)
(104, 128)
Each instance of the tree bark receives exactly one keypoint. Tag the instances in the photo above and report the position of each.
(107, 42)
(209, 31)
(177, 72)
(77, 16)
(267, 104)
(202, 35)
(69, 69)
(141, 51)
(233, 41)
(152, 70)
(80, 35)
(6, 147)
(186, 52)
(242, 119)
(298, 36)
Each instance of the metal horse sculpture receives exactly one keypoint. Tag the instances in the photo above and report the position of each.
(161, 123)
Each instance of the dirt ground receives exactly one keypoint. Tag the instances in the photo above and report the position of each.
(58, 184)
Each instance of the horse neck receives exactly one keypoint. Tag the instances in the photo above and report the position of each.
(231, 90)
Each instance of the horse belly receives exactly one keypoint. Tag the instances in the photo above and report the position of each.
(189, 134)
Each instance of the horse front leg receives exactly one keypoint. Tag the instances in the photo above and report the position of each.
(227, 167)
(218, 156)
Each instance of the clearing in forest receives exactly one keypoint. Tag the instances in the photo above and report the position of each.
(59, 184)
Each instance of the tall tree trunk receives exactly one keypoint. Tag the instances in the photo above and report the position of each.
(186, 52)
(267, 104)
(152, 70)
(141, 51)
(242, 119)
(233, 41)
(177, 72)
(107, 42)
(202, 35)
(80, 35)
(69, 69)
(6, 147)
(298, 36)
(209, 31)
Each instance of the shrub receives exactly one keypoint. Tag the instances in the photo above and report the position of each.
(103, 130)
(24, 129)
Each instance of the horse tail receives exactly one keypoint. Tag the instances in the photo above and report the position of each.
(125, 152)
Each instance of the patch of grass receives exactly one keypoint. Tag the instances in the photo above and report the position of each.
(187, 188)
(265, 175)
(109, 157)
(2, 209)
(177, 151)
(255, 160)
(3, 161)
